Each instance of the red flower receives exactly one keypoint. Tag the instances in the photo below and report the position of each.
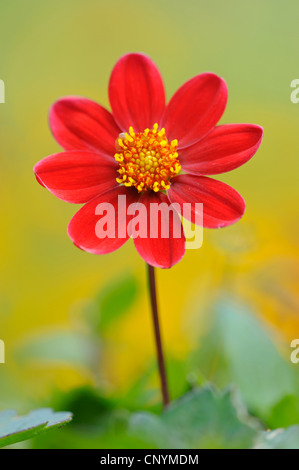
(138, 151)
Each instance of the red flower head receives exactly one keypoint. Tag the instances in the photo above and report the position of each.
(149, 152)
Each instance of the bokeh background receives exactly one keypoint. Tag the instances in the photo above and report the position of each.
(70, 319)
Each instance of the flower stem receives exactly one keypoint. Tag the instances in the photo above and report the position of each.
(159, 348)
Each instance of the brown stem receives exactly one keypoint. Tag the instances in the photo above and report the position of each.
(160, 355)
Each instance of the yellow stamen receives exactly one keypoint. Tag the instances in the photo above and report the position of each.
(146, 159)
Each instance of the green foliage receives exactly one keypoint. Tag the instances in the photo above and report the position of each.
(201, 419)
(88, 407)
(15, 428)
(99, 423)
(58, 346)
(239, 349)
(113, 302)
(279, 439)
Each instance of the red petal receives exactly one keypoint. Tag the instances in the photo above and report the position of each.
(224, 149)
(222, 205)
(82, 228)
(76, 176)
(158, 251)
(195, 109)
(81, 124)
(136, 92)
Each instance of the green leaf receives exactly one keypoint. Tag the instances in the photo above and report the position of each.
(279, 439)
(15, 428)
(113, 301)
(117, 299)
(145, 394)
(203, 418)
(87, 404)
(285, 413)
(239, 349)
(257, 367)
(57, 346)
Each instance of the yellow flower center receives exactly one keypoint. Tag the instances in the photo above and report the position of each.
(146, 159)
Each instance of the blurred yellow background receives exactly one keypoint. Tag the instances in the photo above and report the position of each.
(51, 49)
